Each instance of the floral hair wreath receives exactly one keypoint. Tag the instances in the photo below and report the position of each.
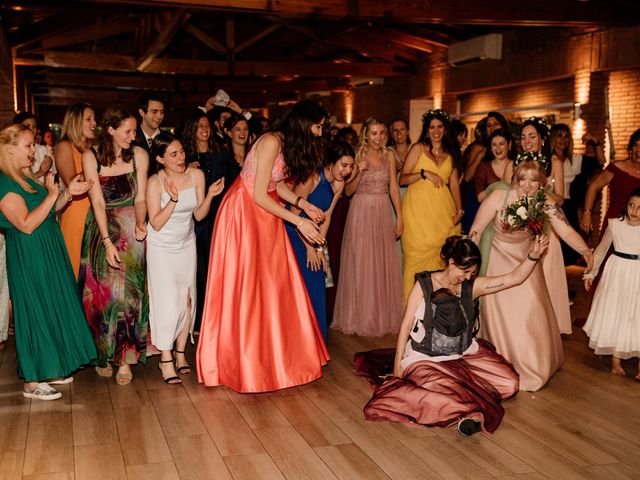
(533, 157)
(539, 121)
(436, 112)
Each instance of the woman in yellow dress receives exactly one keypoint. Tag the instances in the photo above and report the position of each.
(431, 207)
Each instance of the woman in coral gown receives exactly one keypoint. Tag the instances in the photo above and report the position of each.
(431, 208)
(259, 332)
(521, 322)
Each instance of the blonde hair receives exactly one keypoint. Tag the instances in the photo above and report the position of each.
(10, 135)
(361, 149)
(72, 125)
(529, 166)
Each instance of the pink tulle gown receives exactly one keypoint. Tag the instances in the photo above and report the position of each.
(369, 297)
(259, 332)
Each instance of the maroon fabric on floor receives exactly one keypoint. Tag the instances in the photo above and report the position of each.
(334, 244)
(437, 394)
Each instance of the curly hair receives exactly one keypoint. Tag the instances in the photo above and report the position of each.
(188, 135)
(301, 150)
(106, 153)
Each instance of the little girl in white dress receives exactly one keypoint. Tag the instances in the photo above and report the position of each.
(613, 325)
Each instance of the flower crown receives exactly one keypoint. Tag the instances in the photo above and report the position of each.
(533, 157)
(538, 120)
(436, 112)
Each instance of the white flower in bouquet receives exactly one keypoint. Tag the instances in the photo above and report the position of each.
(522, 212)
(511, 220)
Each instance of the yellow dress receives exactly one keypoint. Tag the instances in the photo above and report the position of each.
(428, 220)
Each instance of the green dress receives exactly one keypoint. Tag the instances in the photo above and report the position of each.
(52, 336)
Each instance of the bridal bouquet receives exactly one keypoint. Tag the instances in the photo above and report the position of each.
(527, 213)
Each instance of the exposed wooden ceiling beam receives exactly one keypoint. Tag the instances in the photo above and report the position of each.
(256, 38)
(468, 12)
(102, 28)
(106, 80)
(407, 40)
(110, 62)
(209, 41)
(177, 20)
(51, 26)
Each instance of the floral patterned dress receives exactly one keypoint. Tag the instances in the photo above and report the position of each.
(116, 301)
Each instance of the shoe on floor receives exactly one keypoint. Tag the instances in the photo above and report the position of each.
(43, 391)
(468, 426)
(61, 381)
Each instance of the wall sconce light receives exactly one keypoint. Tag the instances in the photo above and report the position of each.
(577, 110)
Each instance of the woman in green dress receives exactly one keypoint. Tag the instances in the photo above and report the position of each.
(51, 332)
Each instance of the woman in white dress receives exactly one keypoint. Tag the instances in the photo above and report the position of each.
(613, 325)
(175, 195)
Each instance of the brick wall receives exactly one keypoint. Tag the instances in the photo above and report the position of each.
(624, 104)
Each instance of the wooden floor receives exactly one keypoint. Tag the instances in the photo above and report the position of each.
(584, 424)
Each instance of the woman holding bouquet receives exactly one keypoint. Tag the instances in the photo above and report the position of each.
(529, 338)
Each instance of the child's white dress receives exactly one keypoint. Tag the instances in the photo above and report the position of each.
(613, 325)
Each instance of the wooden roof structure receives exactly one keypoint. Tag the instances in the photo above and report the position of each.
(259, 51)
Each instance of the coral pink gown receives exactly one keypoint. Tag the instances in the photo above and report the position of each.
(259, 332)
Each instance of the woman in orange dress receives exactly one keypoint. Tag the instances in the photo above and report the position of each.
(259, 332)
(77, 132)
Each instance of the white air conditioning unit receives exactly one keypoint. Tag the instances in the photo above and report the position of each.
(476, 49)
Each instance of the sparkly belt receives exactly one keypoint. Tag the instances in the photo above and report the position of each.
(628, 256)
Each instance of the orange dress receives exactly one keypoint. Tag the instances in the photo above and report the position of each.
(259, 332)
(73, 218)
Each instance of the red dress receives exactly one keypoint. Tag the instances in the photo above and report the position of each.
(259, 332)
(621, 186)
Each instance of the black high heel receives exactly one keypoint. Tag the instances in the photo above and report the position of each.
(175, 380)
(185, 369)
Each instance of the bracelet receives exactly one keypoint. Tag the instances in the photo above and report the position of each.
(105, 238)
(297, 202)
(422, 174)
(533, 259)
(174, 201)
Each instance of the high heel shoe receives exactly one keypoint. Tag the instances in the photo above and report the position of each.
(185, 369)
(174, 380)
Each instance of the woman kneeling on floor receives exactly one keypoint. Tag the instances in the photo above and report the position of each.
(441, 373)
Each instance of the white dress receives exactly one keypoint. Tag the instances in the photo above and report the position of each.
(171, 270)
(613, 325)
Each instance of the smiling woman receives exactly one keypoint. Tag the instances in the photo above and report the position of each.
(113, 270)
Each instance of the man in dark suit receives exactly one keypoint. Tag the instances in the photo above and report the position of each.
(151, 110)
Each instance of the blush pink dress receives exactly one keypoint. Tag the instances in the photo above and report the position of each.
(520, 321)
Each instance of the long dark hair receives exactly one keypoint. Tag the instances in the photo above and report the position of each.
(335, 151)
(113, 117)
(188, 136)
(301, 150)
(462, 251)
(231, 122)
(500, 132)
(634, 193)
(160, 144)
(449, 144)
(541, 127)
(635, 136)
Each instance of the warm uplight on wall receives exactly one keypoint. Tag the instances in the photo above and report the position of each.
(437, 100)
(582, 85)
(348, 107)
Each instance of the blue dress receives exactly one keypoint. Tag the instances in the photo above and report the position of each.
(321, 197)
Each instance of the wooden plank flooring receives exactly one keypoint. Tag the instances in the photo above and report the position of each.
(583, 425)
